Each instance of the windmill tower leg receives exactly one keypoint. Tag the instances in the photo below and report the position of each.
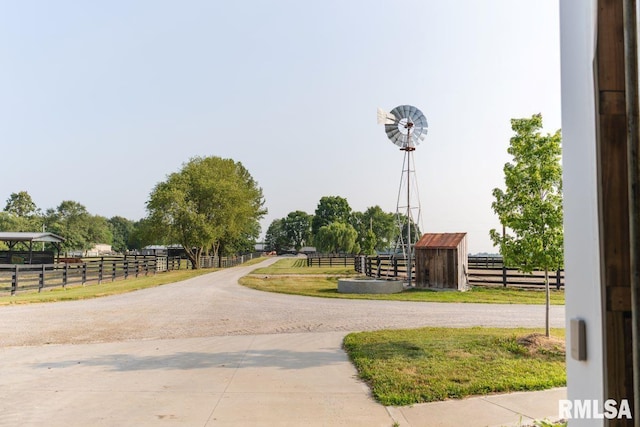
(405, 212)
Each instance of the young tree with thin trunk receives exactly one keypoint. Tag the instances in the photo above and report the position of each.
(530, 208)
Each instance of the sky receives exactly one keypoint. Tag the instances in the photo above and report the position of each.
(100, 101)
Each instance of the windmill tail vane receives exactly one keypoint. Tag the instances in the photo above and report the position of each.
(385, 118)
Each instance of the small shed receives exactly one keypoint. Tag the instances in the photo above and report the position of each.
(442, 261)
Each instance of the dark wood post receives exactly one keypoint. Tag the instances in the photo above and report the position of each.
(504, 276)
(65, 274)
(41, 280)
(14, 280)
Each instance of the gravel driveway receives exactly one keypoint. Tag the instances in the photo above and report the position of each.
(214, 305)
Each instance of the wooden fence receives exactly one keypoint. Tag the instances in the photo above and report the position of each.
(16, 278)
(482, 270)
(383, 266)
(330, 260)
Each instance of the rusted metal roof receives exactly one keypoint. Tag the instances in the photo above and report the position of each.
(440, 240)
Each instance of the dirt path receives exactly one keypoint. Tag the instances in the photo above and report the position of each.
(214, 305)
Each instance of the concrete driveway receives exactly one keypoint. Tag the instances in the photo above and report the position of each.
(208, 352)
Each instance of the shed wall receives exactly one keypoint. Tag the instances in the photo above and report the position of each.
(442, 268)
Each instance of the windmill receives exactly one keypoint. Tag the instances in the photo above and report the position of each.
(406, 127)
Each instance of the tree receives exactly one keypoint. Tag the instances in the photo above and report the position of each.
(530, 208)
(297, 228)
(276, 238)
(382, 224)
(337, 237)
(403, 221)
(143, 234)
(121, 230)
(330, 209)
(80, 229)
(21, 214)
(21, 204)
(209, 201)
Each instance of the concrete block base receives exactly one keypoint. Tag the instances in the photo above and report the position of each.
(370, 286)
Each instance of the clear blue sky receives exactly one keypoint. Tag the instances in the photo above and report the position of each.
(99, 101)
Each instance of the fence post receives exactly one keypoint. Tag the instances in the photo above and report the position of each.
(504, 276)
(65, 275)
(41, 280)
(395, 266)
(126, 269)
(14, 281)
(113, 270)
(100, 270)
(84, 273)
(558, 279)
(137, 266)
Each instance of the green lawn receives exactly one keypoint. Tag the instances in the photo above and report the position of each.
(327, 287)
(299, 266)
(77, 292)
(287, 276)
(404, 367)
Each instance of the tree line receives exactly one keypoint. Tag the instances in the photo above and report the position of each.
(210, 206)
(71, 220)
(335, 228)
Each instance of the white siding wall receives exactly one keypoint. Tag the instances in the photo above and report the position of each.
(582, 254)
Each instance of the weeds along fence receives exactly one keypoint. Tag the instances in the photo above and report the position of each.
(17, 278)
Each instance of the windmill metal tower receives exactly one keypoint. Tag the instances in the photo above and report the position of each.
(406, 126)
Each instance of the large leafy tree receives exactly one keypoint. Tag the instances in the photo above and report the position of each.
(21, 204)
(80, 229)
(208, 202)
(330, 209)
(530, 207)
(21, 214)
(337, 237)
(121, 229)
(377, 230)
(275, 237)
(297, 228)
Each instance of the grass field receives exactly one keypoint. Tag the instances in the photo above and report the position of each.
(104, 289)
(287, 276)
(299, 266)
(404, 367)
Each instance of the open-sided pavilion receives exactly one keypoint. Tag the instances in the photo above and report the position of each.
(27, 239)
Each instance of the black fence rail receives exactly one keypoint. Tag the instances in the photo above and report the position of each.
(482, 271)
(383, 266)
(330, 260)
(17, 278)
(178, 263)
(483, 262)
(512, 277)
